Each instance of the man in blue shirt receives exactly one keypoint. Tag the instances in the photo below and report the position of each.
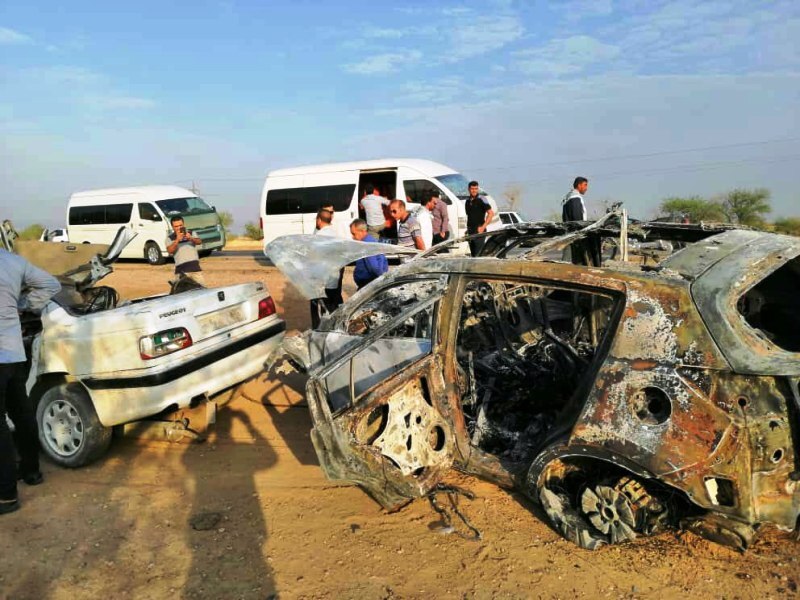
(370, 268)
(22, 287)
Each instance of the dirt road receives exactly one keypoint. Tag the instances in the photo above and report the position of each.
(248, 514)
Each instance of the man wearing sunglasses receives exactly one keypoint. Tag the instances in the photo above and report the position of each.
(409, 232)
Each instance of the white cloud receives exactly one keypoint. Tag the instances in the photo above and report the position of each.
(9, 37)
(565, 56)
(115, 102)
(479, 35)
(383, 63)
(580, 9)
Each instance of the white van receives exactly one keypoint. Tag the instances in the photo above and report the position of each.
(95, 216)
(291, 197)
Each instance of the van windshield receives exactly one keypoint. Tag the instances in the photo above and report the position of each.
(458, 184)
(184, 206)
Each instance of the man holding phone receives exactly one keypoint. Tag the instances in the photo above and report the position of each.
(181, 244)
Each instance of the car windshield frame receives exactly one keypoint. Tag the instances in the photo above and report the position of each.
(195, 205)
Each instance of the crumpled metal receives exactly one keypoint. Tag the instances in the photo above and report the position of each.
(309, 261)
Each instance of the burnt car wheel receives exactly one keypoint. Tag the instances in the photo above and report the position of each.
(69, 431)
(592, 504)
(153, 254)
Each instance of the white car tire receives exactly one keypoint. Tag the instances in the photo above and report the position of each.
(70, 433)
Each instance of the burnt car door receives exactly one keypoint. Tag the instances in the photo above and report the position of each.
(377, 394)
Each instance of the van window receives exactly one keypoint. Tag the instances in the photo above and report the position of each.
(100, 215)
(148, 212)
(118, 213)
(418, 190)
(308, 200)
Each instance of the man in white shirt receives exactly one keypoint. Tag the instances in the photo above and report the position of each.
(425, 219)
(373, 210)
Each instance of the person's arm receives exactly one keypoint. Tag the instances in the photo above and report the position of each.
(487, 218)
(172, 246)
(583, 209)
(38, 287)
(445, 219)
(373, 264)
(416, 235)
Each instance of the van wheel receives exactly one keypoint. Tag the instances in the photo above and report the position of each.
(69, 430)
(204, 253)
(152, 254)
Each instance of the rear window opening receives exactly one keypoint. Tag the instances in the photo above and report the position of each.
(523, 351)
(771, 307)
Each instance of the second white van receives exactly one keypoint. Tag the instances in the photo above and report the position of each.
(291, 197)
(95, 216)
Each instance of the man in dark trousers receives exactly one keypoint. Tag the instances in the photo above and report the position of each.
(22, 287)
(479, 215)
(573, 208)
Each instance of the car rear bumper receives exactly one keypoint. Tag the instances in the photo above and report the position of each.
(124, 399)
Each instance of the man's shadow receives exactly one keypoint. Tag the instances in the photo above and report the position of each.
(227, 530)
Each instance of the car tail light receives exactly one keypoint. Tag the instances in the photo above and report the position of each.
(261, 223)
(266, 307)
(164, 342)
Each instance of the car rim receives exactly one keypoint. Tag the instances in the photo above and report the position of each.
(63, 428)
(152, 254)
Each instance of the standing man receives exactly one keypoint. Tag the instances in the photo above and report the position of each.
(373, 210)
(22, 287)
(409, 233)
(181, 244)
(572, 206)
(441, 220)
(425, 218)
(333, 287)
(479, 215)
(370, 268)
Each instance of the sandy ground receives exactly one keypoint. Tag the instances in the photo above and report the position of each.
(274, 526)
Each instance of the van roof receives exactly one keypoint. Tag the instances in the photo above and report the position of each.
(142, 192)
(425, 166)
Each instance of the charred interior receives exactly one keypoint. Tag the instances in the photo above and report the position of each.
(771, 306)
(523, 350)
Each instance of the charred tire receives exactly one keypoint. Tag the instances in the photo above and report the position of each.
(592, 506)
(153, 254)
(70, 433)
(204, 253)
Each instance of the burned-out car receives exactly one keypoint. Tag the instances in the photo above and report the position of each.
(623, 398)
(97, 361)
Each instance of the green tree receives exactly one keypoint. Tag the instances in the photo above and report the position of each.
(253, 231)
(790, 225)
(226, 219)
(32, 232)
(747, 207)
(694, 207)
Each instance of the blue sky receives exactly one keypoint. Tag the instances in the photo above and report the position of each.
(648, 99)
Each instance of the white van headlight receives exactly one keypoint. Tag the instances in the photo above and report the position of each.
(164, 342)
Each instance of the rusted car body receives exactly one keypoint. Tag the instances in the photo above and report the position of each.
(623, 398)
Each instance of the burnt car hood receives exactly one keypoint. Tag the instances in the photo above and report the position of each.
(308, 261)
